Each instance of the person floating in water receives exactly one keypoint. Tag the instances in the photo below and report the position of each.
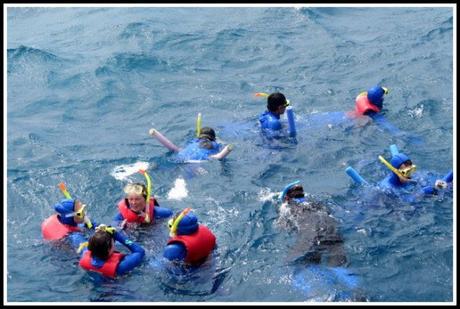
(270, 120)
(99, 255)
(139, 206)
(190, 243)
(318, 253)
(402, 179)
(204, 147)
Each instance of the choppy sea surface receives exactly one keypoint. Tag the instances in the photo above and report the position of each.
(85, 84)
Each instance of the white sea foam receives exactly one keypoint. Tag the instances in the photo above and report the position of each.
(121, 172)
(179, 191)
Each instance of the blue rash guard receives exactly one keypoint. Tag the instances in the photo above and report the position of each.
(193, 151)
(129, 261)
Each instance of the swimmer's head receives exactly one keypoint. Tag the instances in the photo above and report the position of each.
(295, 192)
(207, 133)
(277, 103)
(375, 95)
(187, 225)
(69, 211)
(403, 164)
(101, 244)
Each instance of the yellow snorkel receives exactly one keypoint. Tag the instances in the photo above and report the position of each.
(79, 213)
(392, 168)
(175, 223)
(64, 190)
(198, 125)
(149, 190)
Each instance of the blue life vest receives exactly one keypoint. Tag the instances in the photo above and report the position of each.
(194, 152)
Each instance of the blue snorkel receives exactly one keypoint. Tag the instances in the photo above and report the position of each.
(291, 121)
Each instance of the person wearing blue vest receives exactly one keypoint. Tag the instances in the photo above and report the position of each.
(402, 176)
(204, 147)
(98, 255)
(269, 120)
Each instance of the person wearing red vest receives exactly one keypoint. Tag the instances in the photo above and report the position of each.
(134, 209)
(190, 241)
(98, 254)
(69, 222)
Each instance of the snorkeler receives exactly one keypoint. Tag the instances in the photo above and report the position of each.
(99, 254)
(190, 241)
(204, 147)
(270, 120)
(139, 206)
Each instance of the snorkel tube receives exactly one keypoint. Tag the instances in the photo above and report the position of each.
(176, 222)
(198, 125)
(355, 176)
(67, 195)
(149, 190)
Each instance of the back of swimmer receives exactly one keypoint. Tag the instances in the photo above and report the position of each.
(190, 242)
(204, 147)
(99, 255)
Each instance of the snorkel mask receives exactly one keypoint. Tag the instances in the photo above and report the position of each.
(174, 222)
(403, 173)
(135, 188)
(81, 213)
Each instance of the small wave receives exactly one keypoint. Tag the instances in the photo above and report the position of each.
(121, 172)
(126, 62)
(24, 52)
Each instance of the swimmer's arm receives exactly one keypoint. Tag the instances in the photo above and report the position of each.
(163, 140)
(119, 221)
(162, 212)
(131, 260)
(223, 153)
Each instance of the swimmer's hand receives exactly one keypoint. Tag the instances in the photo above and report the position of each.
(229, 147)
(153, 132)
(440, 184)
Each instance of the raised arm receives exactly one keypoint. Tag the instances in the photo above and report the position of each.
(223, 153)
(163, 140)
(131, 260)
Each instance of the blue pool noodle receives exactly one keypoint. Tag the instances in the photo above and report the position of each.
(355, 176)
(449, 177)
(394, 150)
(291, 121)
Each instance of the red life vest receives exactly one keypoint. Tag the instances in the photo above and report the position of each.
(198, 244)
(131, 216)
(363, 105)
(109, 269)
(53, 229)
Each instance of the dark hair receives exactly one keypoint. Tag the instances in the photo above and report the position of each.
(295, 192)
(207, 136)
(99, 244)
(275, 100)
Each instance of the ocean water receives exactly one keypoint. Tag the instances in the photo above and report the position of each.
(85, 84)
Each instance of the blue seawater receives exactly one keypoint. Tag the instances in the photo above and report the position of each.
(85, 84)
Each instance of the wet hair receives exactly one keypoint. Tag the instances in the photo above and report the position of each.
(99, 244)
(295, 191)
(275, 100)
(207, 136)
